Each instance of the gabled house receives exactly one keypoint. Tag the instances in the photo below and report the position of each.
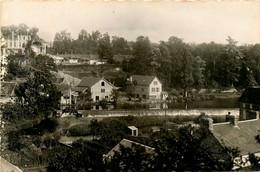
(128, 144)
(146, 87)
(98, 87)
(64, 84)
(39, 46)
(235, 134)
(249, 103)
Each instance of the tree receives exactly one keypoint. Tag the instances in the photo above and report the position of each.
(83, 156)
(229, 64)
(142, 51)
(105, 47)
(38, 95)
(33, 32)
(184, 150)
(114, 96)
(62, 42)
(120, 46)
(132, 158)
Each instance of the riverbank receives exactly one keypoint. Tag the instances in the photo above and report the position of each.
(159, 112)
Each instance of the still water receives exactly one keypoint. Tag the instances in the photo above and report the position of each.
(216, 103)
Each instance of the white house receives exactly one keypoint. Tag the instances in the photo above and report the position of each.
(73, 60)
(39, 46)
(146, 87)
(99, 88)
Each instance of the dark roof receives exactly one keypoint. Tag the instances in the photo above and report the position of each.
(242, 136)
(79, 89)
(142, 79)
(128, 143)
(88, 82)
(251, 95)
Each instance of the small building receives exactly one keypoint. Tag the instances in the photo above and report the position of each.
(249, 103)
(133, 130)
(57, 59)
(95, 62)
(146, 87)
(128, 144)
(98, 87)
(73, 61)
(39, 46)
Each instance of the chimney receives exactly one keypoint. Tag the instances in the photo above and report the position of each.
(228, 117)
(257, 115)
(233, 120)
(208, 123)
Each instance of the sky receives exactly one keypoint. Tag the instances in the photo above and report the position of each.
(192, 21)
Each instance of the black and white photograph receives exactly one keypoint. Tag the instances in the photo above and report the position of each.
(129, 86)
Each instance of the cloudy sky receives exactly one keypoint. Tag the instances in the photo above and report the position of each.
(193, 21)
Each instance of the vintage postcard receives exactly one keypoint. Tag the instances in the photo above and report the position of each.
(129, 85)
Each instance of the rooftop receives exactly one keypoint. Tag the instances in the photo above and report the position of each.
(143, 79)
(128, 143)
(88, 81)
(242, 136)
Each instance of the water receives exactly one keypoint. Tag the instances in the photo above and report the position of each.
(216, 103)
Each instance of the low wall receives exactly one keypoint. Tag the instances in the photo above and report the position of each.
(169, 112)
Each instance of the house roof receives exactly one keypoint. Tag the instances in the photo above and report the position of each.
(90, 81)
(132, 127)
(142, 79)
(7, 166)
(79, 89)
(66, 78)
(128, 143)
(242, 136)
(251, 95)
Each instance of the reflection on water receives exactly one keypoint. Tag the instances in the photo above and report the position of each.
(216, 103)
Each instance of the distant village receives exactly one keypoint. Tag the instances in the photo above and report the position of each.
(86, 120)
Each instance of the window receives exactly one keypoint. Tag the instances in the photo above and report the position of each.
(103, 90)
(14, 44)
(153, 89)
(102, 83)
(144, 96)
(97, 98)
(11, 44)
(142, 89)
(157, 89)
(20, 45)
(106, 97)
(24, 38)
(155, 82)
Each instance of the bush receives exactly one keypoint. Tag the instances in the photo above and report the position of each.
(48, 125)
(79, 130)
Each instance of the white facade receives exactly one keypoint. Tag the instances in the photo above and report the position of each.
(101, 90)
(16, 43)
(155, 89)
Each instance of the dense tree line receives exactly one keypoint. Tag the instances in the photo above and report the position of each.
(90, 43)
(177, 63)
(21, 29)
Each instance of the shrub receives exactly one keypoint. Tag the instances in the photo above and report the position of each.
(79, 130)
